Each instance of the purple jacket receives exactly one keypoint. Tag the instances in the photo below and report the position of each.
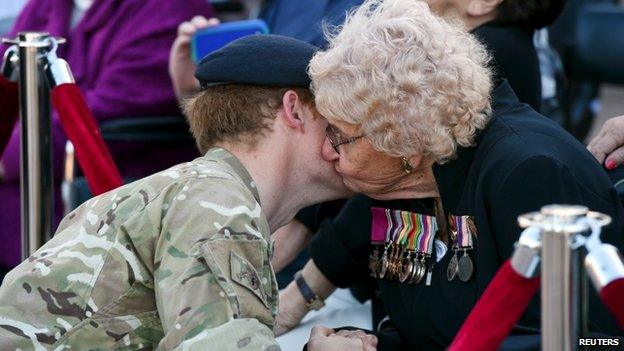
(119, 53)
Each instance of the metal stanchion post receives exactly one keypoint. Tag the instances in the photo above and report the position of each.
(563, 278)
(562, 281)
(36, 161)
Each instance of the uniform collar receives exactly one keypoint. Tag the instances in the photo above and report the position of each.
(222, 155)
(451, 177)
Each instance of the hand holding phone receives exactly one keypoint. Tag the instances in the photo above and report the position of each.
(181, 65)
(213, 38)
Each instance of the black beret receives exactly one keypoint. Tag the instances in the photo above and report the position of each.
(261, 59)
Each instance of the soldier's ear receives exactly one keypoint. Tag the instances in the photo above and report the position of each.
(478, 8)
(292, 112)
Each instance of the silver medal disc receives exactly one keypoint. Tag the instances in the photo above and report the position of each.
(373, 266)
(453, 268)
(419, 272)
(406, 270)
(383, 268)
(465, 268)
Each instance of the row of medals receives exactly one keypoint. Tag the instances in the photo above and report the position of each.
(404, 265)
(398, 263)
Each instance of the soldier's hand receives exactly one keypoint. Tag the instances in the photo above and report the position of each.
(181, 65)
(608, 145)
(325, 339)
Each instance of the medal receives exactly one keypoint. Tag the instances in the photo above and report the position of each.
(406, 269)
(394, 263)
(380, 234)
(419, 271)
(398, 263)
(465, 267)
(409, 239)
(453, 267)
(378, 238)
(423, 242)
(383, 268)
(374, 262)
(462, 228)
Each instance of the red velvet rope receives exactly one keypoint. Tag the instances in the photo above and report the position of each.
(613, 297)
(496, 312)
(9, 110)
(81, 129)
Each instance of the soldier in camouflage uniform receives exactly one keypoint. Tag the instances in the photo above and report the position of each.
(180, 260)
(115, 274)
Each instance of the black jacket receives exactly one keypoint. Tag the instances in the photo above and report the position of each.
(514, 58)
(521, 162)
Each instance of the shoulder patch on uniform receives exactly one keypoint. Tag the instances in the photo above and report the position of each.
(246, 275)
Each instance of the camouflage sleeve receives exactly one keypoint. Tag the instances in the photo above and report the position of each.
(213, 282)
(237, 334)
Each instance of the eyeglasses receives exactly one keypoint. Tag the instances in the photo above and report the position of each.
(335, 137)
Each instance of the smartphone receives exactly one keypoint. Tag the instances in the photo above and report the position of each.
(210, 39)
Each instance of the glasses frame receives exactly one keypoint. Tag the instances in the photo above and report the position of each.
(335, 140)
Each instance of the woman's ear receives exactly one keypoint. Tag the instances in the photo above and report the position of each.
(291, 109)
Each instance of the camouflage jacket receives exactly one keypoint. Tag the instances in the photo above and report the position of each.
(179, 260)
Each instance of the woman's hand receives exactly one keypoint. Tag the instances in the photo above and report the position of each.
(369, 340)
(292, 305)
(325, 339)
(292, 309)
(181, 65)
(608, 145)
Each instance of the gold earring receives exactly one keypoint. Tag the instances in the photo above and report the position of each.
(407, 166)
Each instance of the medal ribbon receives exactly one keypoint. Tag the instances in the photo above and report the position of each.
(379, 227)
(464, 235)
(429, 227)
(406, 228)
(413, 231)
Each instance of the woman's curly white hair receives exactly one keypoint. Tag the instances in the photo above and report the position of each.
(414, 83)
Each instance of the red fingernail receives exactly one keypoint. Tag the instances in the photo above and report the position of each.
(610, 164)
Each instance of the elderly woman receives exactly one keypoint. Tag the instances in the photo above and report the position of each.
(414, 114)
(506, 27)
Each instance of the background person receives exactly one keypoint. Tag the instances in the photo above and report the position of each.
(608, 145)
(118, 51)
